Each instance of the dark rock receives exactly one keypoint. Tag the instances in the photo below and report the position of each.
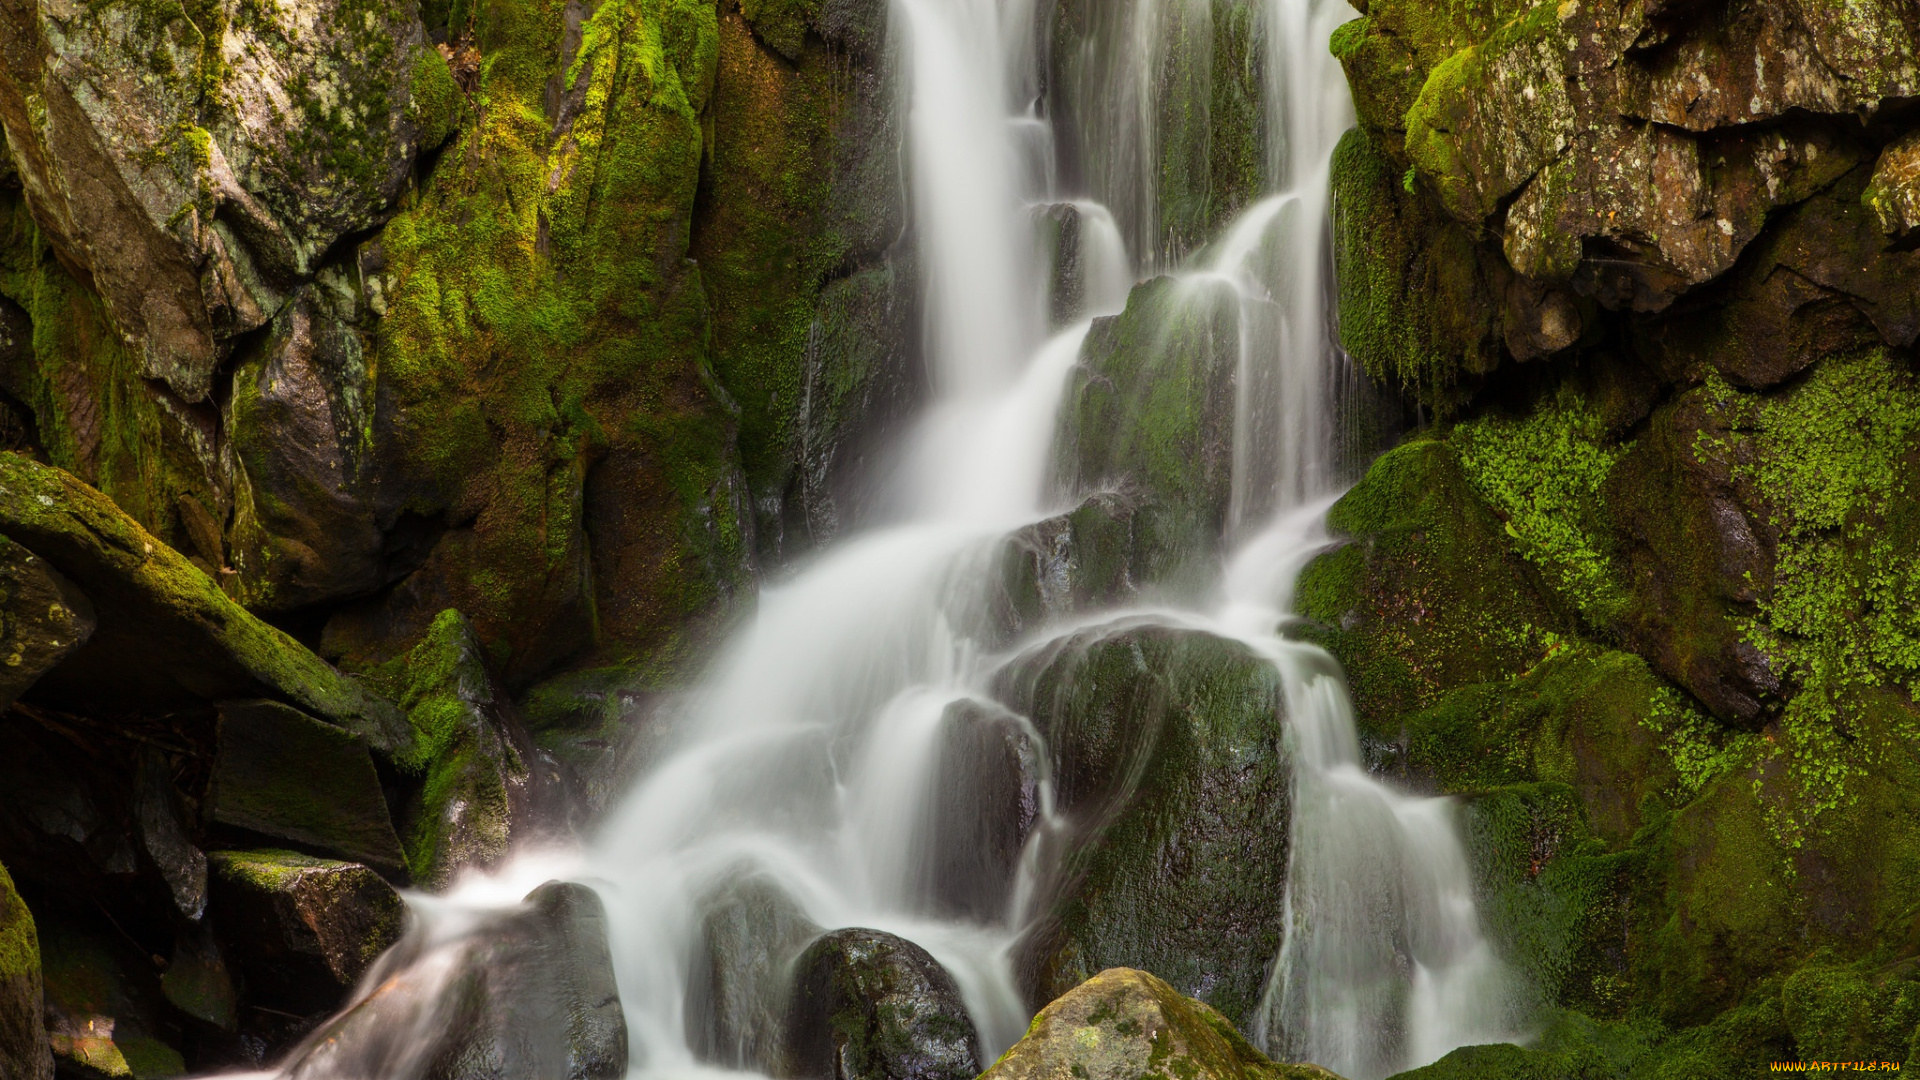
(62, 822)
(43, 618)
(1123, 1024)
(1173, 791)
(23, 1035)
(197, 981)
(475, 797)
(983, 807)
(742, 974)
(168, 636)
(165, 836)
(301, 930)
(281, 773)
(1149, 411)
(537, 999)
(103, 1014)
(1095, 556)
(870, 1006)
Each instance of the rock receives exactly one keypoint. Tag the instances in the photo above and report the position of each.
(301, 930)
(475, 796)
(283, 774)
(168, 636)
(1149, 411)
(161, 824)
(63, 822)
(1894, 192)
(1425, 597)
(197, 981)
(43, 618)
(742, 973)
(1173, 790)
(1095, 556)
(1123, 1024)
(103, 1018)
(195, 196)
(983, 807)
(537, 998)
(870, 1006)
(23, 1034)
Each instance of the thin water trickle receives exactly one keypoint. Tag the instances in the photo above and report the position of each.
(803, 763)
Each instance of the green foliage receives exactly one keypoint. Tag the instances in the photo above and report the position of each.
(1853, 1012)
(1700, 748)
(1543, 473)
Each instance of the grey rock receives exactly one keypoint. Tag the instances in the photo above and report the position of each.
(737, 995)
(162, 825)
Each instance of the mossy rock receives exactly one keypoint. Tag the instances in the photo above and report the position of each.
(168, 636)
(1169, 768)
(43, 618)
(867, 1005)
(1124, 1024)
(301, 930)
(280, 773)
(104, 1017)
(1427, 597)
(23, 1033)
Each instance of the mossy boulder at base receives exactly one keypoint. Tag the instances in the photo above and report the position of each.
(1173, 788)
(301, 930)
(867, 1005)
(42, 619)
(168, 635)
(1124, 1024)
(282, 774)
(23, 1035)
(105, 1018)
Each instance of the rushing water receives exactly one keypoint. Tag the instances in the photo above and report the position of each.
(804, 762)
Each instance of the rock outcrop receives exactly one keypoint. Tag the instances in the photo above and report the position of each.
(871, 1006)
(24, 1050)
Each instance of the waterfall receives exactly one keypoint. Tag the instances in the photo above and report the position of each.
(803, 762)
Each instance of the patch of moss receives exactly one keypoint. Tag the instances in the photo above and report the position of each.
(19, 942)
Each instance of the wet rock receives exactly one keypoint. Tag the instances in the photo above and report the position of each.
(301, 930)
(1123, 1024)
(1894, 192)
(749, 938)
(870, 1006)
(983, 807)
(1092, 557)
(43, 618)
(1172, 787)
(537, 998)
(23, 1033)
(103, 1016)
(194, 208)
(168, 636)
(1149, 412)
(283, 774)
(475, 796)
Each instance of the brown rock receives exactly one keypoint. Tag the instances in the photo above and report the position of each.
(303, 930)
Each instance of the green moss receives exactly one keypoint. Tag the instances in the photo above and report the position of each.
(19, 942)
(434, 102)
(1543, 473)
(1852, 1012)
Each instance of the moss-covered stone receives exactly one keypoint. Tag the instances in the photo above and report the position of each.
(167, 633)
(474, 778)
(1428, 597)
(1123, 1024)
(1169, 767)
(302, 930)
(280, 773)
(103, 1017)
(23, 1034)
(867, 1005)
(42, 619)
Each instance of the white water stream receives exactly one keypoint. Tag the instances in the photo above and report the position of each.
(805, 760)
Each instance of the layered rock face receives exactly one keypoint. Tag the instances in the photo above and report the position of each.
(1642, 590)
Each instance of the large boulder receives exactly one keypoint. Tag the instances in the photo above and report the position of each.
(168, 636)
(1173, 786)
(1124, 1024)
(871, 1006)
(197, 187)
(23, 1035)
(302, 930)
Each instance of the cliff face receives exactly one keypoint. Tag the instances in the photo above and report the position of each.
(1644, 587)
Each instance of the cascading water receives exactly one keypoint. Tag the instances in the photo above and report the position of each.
(804, 763)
